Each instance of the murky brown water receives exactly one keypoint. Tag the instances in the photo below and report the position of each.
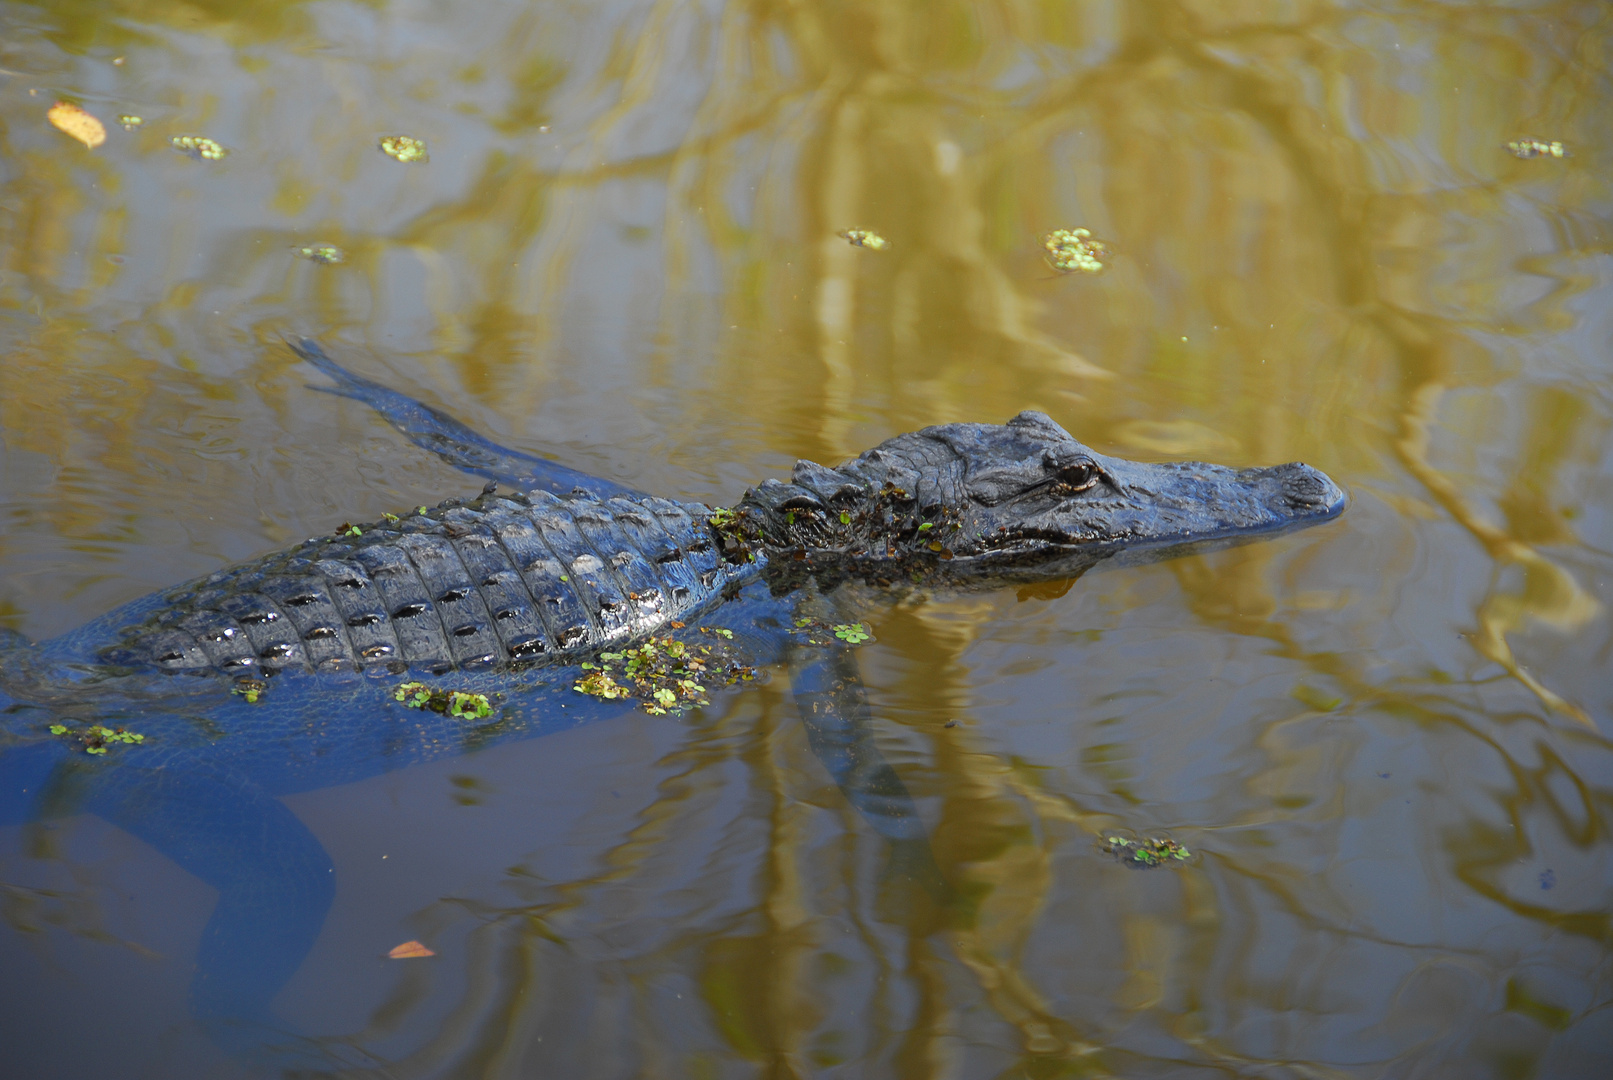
(1386, 740)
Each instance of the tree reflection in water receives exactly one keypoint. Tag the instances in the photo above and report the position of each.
(624, 251)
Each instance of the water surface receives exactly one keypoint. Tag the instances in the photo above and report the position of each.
(1385, 740)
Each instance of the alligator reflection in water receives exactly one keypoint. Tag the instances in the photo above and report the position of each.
(509, 597)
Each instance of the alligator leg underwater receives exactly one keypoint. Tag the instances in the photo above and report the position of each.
(834, 708)
(274, 879)
(275, 886)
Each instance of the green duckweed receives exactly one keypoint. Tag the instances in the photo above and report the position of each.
(1146, 853)
(198, 147)
(864, 238)
(97, 738)
(405, 149)
(323, 254)
(1533, 148)
(460, 704)
(251, 689)
(665, 675)
(1071, 250)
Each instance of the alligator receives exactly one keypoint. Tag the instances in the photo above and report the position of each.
(283, 674)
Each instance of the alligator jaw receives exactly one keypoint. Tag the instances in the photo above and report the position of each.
(1174, 503)
(1148, 512)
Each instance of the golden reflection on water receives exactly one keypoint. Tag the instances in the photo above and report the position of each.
(1380, 738)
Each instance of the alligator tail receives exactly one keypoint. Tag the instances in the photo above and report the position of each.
(451, 440)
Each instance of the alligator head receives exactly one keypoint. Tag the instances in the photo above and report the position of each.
(1024, 498)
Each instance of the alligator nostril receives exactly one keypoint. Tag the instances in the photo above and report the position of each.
(1305, 488)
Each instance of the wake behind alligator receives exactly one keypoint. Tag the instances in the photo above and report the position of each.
(282, 674)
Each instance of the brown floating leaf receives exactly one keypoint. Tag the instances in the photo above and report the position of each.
(409, 950)
(72, 120)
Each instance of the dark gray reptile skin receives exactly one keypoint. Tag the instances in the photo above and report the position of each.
(463, 585)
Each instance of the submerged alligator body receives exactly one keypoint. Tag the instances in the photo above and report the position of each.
(507, 595)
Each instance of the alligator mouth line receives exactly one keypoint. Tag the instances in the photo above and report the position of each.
(1026, 538)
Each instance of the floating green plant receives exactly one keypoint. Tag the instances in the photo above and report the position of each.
(1533, 148)
(737, 531)
(460, 704)
(864, 238)
(130, 122)
(323, 254)
(1069, 250)
(665, 674)
(405, 149)
(251, 689)
(96, 738)
(600, 685)
(1146, 853)
(202, 149)
(816, 632)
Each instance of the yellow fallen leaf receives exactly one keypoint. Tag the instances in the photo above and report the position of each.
(409, 950)
(72, 120)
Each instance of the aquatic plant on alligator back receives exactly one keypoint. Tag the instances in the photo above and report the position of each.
(185, 716)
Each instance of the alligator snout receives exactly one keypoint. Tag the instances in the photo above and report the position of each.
(1308, 490)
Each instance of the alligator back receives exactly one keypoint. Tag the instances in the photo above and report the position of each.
(466, 585)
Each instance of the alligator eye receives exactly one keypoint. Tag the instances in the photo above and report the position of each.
(1078, 475)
